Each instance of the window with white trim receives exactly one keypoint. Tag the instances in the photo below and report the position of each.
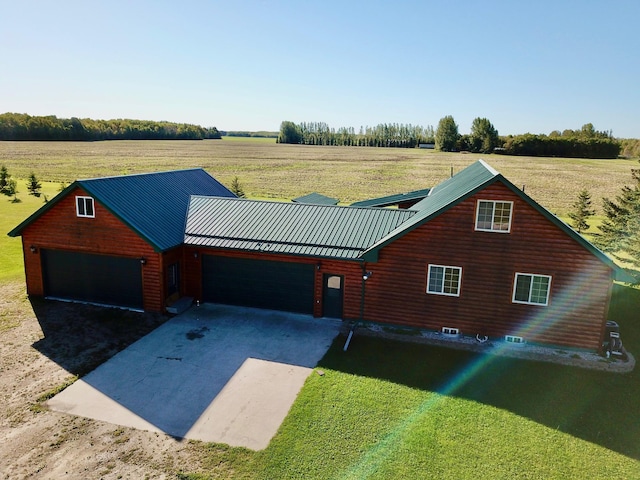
(444, 280)
(84, 207)
(493, 216)
(531, 289)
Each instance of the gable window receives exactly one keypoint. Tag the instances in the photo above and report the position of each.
(531, 289)
(443, 280)
(493, 216)
(84, 207)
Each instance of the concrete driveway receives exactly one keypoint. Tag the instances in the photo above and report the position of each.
(215, 373)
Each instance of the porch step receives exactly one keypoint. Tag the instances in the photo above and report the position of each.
(180, 305)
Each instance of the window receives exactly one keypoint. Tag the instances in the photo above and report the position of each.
(514, 339)
(494, 216)
(444, 280)
(84, 207)
(531, 289)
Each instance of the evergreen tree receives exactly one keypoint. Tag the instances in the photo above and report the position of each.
(33, 185)
(12, 190)
(236, 188)
(5, 177)
(582, 211)
(447, 134)
(620, 231)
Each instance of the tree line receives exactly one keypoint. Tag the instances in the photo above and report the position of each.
(20, 126)
(383, 135)
(484, 138)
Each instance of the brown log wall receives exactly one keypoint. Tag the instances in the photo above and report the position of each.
(61, 229)
(580, 285)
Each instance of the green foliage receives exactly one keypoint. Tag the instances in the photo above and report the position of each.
(630, 147)
(620, 231)
(447, 134)
(247, 134)
(5, 177)
(382, 135)
(33, 185)
(484, 137)
(11, 190)
(289, 133)
(14, 126)
(236, 188)
(582, 210)
(584, 143)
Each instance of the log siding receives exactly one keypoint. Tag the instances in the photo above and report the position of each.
(577, 308)
(60, 228)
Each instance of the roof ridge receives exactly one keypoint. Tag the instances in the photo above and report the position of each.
(130, 175)
(300, 205)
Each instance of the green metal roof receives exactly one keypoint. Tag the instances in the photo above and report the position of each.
(461, 186)
(290, 228)
(316, 199)
(153, 204)
(393, 199)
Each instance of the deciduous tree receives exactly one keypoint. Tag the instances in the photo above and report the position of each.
(446, 134)
(484, 136)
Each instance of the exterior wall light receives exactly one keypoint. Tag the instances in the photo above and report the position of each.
(195, 255)
(366, 276)
(33, 249)
(143, 261)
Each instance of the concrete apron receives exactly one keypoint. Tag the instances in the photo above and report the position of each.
(215, 373)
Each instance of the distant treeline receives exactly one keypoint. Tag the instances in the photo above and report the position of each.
(544, 146)
(19, 126)
(260, 134)
(630, 147)
(383, 135)
(584, 143)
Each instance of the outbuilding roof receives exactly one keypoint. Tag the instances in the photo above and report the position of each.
(152, 204)
(290, 228)
(393, 199)
(316, 199)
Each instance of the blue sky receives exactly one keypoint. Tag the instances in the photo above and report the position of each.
(248, 65)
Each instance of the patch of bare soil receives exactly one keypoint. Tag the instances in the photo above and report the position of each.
(46, 345)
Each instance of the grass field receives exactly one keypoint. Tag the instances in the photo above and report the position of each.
(386, 409)
(270, 170)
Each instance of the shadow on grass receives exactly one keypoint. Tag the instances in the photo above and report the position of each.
(600, 407)
(81, 337)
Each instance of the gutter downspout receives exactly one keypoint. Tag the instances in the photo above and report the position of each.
(365, 277)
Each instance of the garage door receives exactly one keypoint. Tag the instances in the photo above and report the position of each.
(258, 283)
(91, 278)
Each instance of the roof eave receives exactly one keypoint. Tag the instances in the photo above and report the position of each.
(372, 252)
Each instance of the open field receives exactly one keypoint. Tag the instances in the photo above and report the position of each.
(382, 410)
(270, 170)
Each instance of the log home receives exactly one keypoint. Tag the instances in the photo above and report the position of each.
(475, 255)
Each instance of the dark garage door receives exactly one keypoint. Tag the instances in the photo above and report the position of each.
(91, 278)
(258, 283)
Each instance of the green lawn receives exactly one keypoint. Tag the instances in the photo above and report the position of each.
(11, 214)
(386, 409)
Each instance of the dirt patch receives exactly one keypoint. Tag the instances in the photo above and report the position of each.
(44, 346)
